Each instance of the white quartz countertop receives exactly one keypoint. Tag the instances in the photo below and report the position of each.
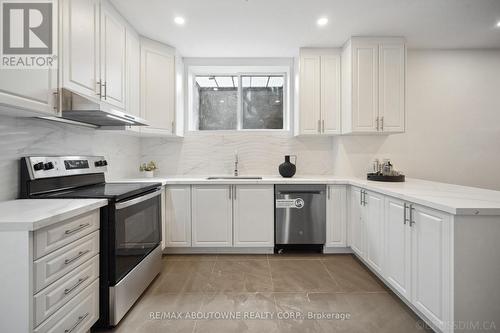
(453, 199)
(33, 214)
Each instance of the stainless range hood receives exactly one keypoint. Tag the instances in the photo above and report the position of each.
(78, 108)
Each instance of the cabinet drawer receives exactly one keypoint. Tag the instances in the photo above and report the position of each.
(53, 297)
(56, 236)
(56, 264)
(78, 315)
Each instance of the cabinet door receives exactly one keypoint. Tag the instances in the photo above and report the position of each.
(374, 230)
(212, 215)
(431, 256)
(364, 86)
(397, 263)
(113, 51)
(355, 218)
(158, 85)
(336, 219)
(253, 215)
(36, 96)
(330, 94)
(133, 76)
(178, 216)
(80, 46)
(392, 87)
(310, 82)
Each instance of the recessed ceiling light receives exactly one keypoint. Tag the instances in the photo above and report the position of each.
(322, 21)
(498, 24)
(179, 20)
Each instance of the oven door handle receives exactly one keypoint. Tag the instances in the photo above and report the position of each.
(140, 199)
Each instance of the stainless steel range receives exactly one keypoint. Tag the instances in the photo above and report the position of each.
(130, 233)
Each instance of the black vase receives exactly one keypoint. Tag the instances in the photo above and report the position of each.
(287, 169)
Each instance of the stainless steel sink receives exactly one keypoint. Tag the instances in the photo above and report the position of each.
(233, 177)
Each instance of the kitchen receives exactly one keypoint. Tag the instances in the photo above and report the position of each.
(143, 174)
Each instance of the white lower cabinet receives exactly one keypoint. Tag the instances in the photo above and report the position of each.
(397, 267)
(52, 283)
(219, 216)
(212, 216)
(431, 263)
(253, 223)
(336, 217)
(373, 224)
(178, 216)
(356, 221)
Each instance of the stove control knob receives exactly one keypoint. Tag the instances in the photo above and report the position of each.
(38, 166)
(97, 163)
(48, 166)
(104, 162)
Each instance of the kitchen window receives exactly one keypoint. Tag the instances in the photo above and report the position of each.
(239, 102)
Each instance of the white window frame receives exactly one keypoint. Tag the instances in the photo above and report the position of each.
(220, 70)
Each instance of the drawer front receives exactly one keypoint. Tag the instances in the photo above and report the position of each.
(78, 315)
(50, 299)
(60, 262)
(56, 236)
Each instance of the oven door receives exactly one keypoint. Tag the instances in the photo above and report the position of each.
(137, 232)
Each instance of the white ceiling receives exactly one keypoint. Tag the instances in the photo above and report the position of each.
(277, 28)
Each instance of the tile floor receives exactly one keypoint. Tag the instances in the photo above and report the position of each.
(289, 286)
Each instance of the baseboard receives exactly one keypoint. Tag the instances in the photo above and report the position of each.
(218, 250)
(332, 250)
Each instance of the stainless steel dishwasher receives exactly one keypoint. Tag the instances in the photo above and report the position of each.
(300, 216)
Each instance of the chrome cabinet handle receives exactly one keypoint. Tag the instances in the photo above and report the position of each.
(80, 227)
(79, 282)
(230, 192)
(404, 214)
(323, 126)
(105, 90)
(412, 221)
(382, 123)
(234, 191)
(364, 198)
(361, 197)
(78, 322)
(79, 255)
(378, 123)
(319, 126)
(99, 88)
(328, 192)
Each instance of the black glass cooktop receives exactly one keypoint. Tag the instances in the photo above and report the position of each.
(113, 191)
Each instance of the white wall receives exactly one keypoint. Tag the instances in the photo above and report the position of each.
(453, 122)
(25, 136)
(453, 132)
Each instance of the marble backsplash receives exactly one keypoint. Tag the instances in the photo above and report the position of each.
(29, 136)
(259, 154)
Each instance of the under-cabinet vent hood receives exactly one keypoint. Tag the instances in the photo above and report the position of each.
(78, 108)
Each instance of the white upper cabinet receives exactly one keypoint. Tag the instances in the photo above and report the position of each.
(113, 36)
(158, 88)
(253, 215)
(336, 216)
(212, 223)
(31, 89)
(80, 47)
(373, 85)
(133, 73)
(319, 92)
(392, 57)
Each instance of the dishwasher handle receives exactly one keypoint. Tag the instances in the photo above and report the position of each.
(300, 192)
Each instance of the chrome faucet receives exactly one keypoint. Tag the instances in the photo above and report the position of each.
(236, 163)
